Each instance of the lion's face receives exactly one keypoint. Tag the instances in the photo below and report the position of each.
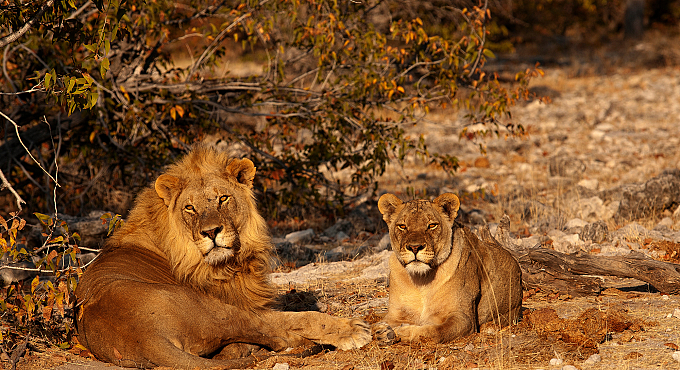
(420, 230)
(210, 210)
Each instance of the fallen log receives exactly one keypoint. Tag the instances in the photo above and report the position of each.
(580, 274)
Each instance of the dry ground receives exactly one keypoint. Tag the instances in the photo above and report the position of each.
(628, 328)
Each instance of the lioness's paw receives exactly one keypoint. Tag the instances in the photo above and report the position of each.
(360, 334)
(408, 332)
(383, 333)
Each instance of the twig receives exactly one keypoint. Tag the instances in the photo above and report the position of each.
(7, 185)
(16, 128)
(41, 270)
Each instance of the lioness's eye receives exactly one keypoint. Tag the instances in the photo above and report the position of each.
(401, 227)
(432, 226)
(224, 198)
(189, 208)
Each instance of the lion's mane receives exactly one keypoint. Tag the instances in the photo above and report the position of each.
(244, 282)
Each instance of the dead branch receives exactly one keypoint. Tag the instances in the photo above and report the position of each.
(580, 274)
(7, 185)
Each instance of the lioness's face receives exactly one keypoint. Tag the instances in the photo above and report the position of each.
(420, 230)
(211, 208)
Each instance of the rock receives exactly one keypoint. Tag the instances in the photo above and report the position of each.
(566, 166)
(591, 184)
(676, 313)
(300, 237)
(556, 362)
(341, 236)
(569, 367)
(482, 162)
(336, 254)
(676, 356)
(290, 253)
(593, 359)
(597, 232)
(665, 223)
(565, 243)
(281, 366)
(574, 223)
(385, 243)
(342, 225)
(592, 209)
(651, 198)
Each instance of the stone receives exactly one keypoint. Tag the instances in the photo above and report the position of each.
(343, 225)
(575, 222)
(281, 366)
(556, 362)
(593, 359)
(647, 199)
(666, 223)
(596, 232)
(591, 184)
(566, 166)
(300, 237)
(341, 236)
(293, 254)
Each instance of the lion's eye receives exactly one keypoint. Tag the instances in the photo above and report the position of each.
(432, 226)
(401, 227)
(189, 208)
(224, 199)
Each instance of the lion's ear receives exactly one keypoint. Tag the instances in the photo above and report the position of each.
(388, 204)
(449, 203)
(166, 187)
(243, 170)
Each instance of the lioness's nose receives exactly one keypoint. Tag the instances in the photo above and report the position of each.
(211, 233)
(415, 248)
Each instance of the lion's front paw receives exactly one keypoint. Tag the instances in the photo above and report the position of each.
(383, 333)
(359, 335)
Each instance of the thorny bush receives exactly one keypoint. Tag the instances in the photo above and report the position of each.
(36, 300)
(116, 90)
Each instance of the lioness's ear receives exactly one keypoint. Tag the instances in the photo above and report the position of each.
(449, 203)
(243, 170)
(166, 187)
(387, 204)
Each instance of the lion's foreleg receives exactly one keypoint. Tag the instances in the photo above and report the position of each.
(299, 327)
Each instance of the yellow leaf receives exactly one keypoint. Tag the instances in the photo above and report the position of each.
(179, 110)
(400, 89)
(173, 113)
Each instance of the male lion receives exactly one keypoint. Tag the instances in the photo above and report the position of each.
(444, 281)
(187, 275)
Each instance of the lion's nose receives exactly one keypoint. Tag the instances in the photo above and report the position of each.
(415, 248)
(211, 233)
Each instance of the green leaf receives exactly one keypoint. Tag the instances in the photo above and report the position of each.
(44, 219)
(48, 78)
(488, 53)
(104, 66)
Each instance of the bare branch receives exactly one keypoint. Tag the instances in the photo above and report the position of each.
(16, 128)
(15, 36)
(7, 185)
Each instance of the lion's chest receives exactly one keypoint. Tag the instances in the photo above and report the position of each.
(417, 304)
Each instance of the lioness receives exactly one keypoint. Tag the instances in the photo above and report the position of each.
(444, 281)
(187, 274)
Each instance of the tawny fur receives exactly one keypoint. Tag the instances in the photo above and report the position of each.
(187, 275)
(444, 281)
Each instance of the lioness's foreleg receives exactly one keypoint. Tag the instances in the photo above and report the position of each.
(455, 326)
